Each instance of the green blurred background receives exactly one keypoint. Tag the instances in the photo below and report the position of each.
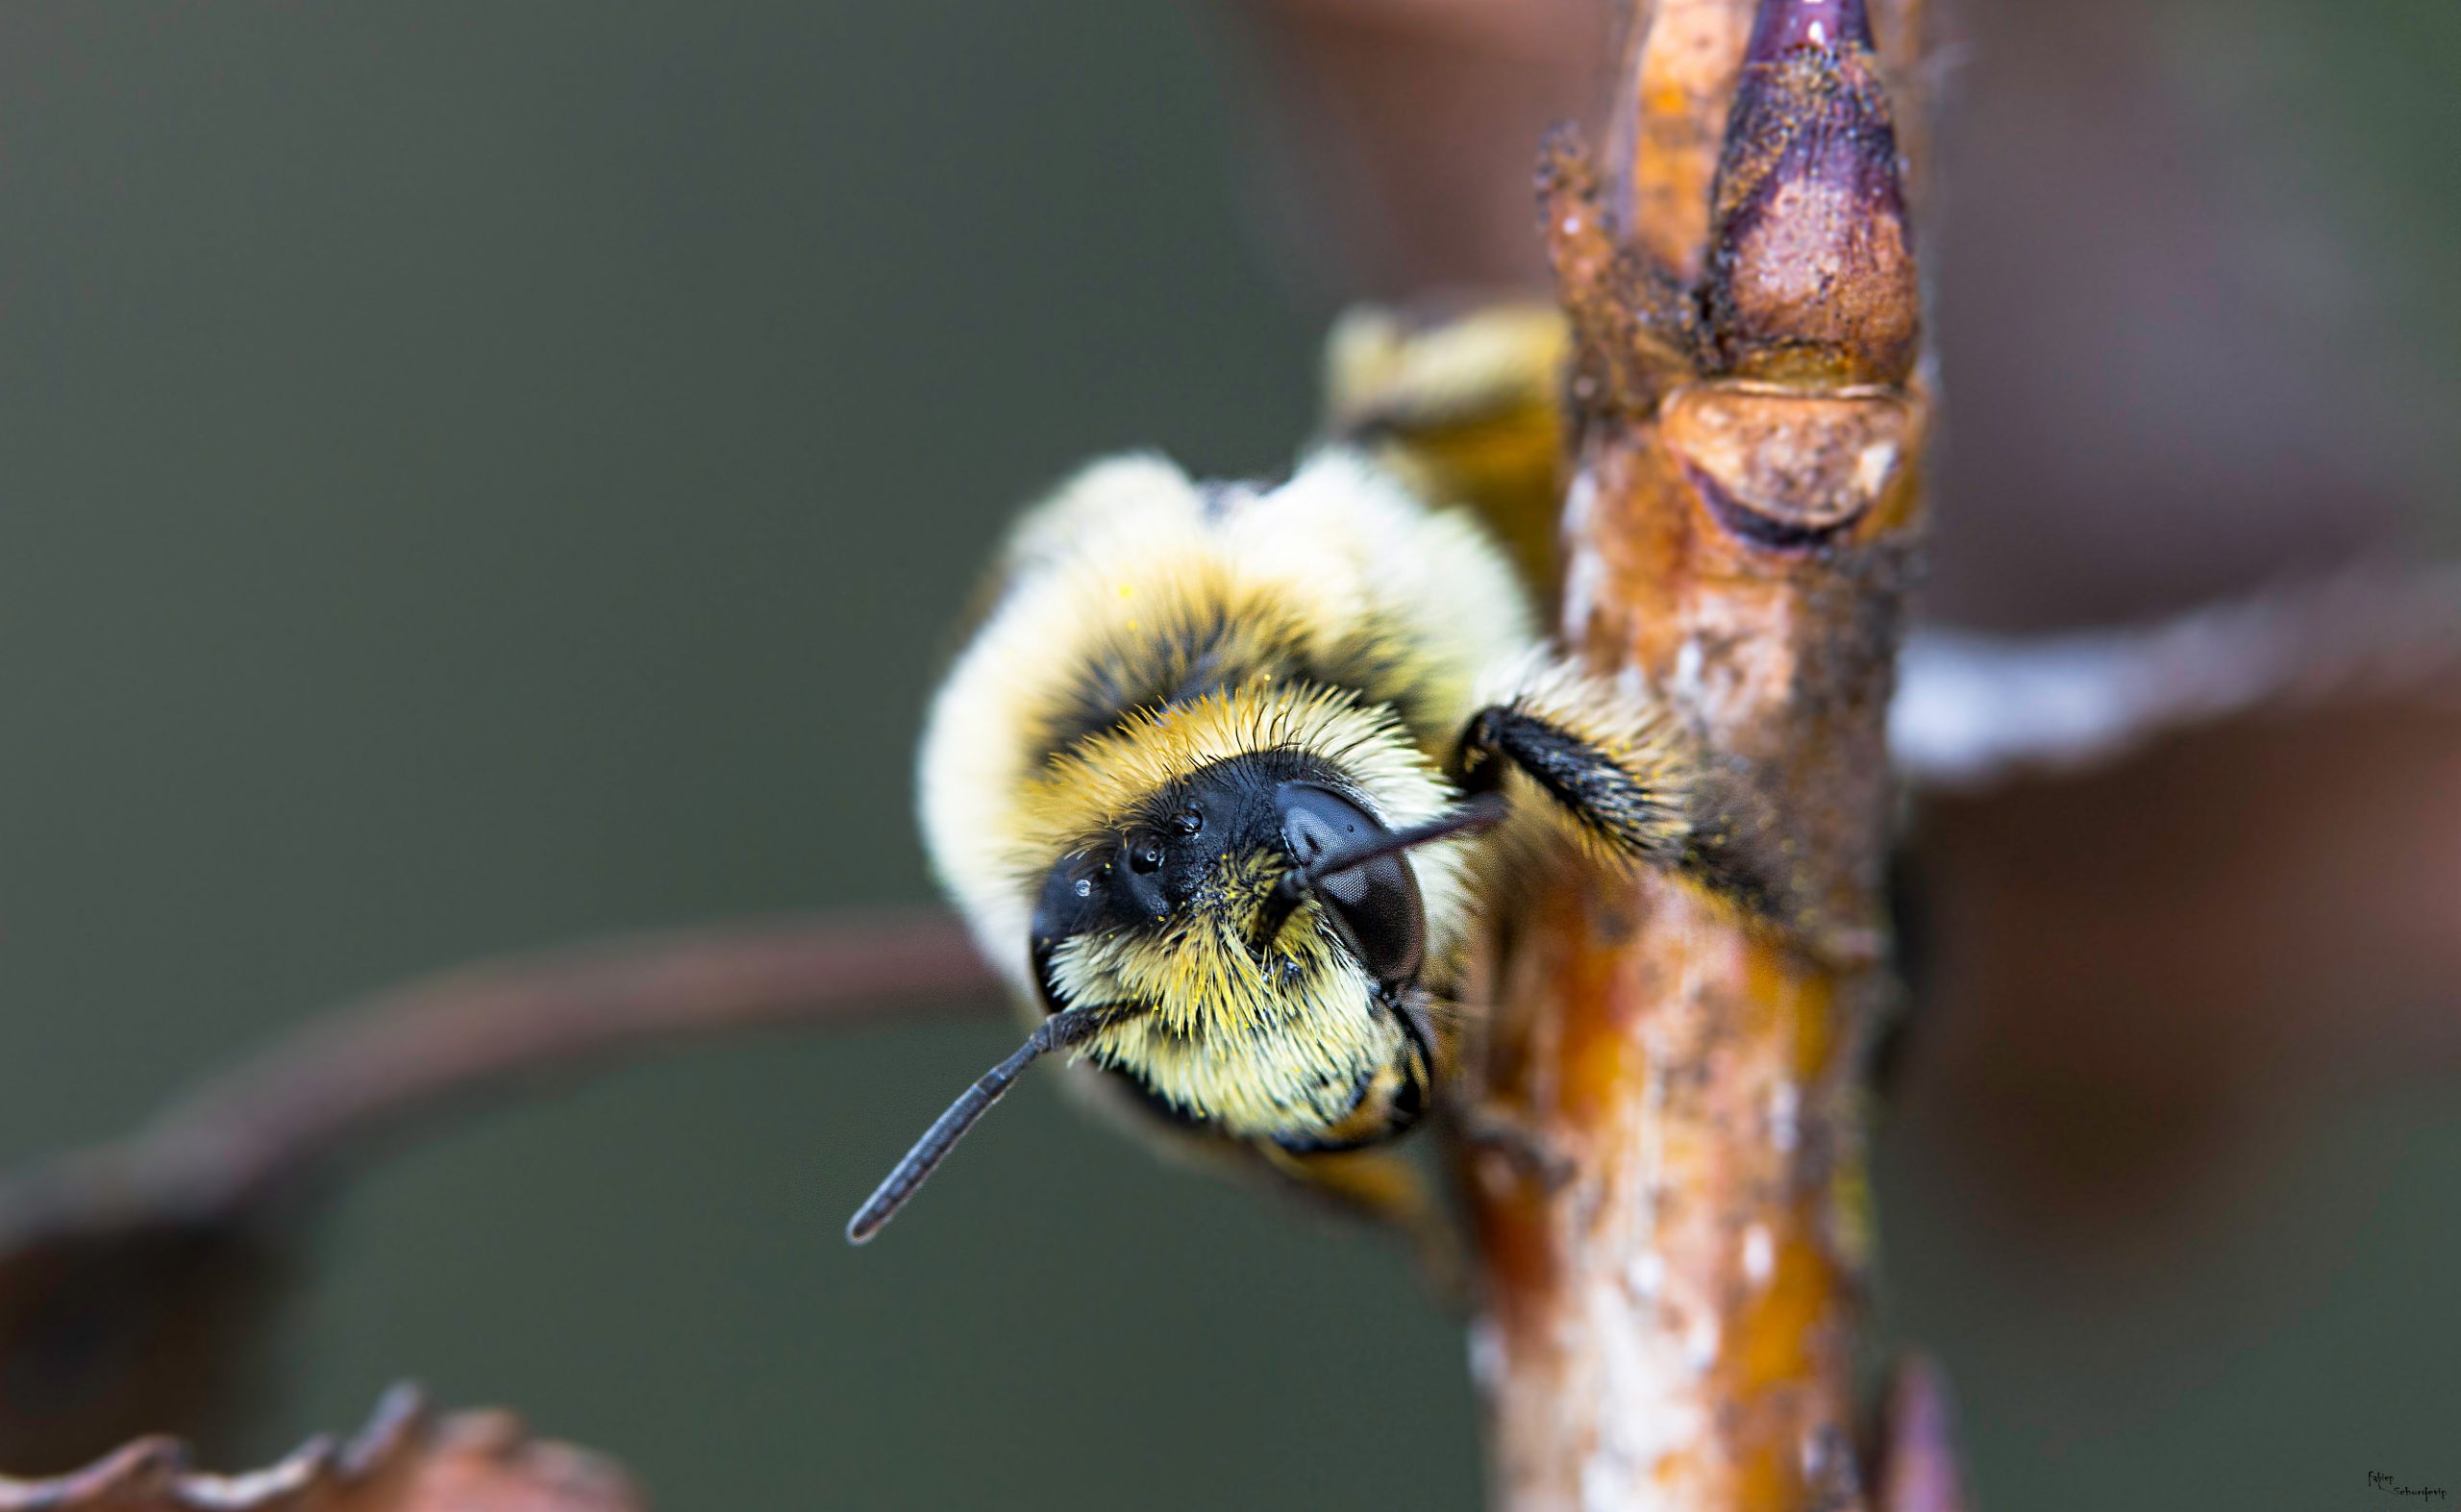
(474, 476)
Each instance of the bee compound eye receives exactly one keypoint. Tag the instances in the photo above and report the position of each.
(1378, 908)
(1374, 906)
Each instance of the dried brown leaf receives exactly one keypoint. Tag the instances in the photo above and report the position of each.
(406, 1459)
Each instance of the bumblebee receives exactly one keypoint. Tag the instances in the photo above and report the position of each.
(1228, 780)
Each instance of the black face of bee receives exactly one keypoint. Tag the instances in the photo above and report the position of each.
(1261, 803)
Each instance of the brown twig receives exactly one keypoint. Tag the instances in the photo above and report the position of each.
(1672, 1324)
(370, 1068)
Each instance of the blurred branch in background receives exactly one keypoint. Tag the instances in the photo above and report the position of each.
(134, 1279)
(1974, 712)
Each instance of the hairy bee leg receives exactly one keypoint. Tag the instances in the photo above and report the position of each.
(1625, 788)
(1631, 791)
(1632, 794)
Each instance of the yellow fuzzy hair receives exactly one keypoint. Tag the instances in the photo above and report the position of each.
(1301, 1015)
(1079, 796)
(1469, 409)
(1338, 564)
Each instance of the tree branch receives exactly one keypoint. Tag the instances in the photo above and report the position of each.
(1672, 1324)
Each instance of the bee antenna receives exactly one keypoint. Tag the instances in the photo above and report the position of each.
(1482, 812)
(1055, 1033)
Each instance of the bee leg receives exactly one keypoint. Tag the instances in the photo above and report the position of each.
(1633, 791)
(1621, 781)
(1630, 790)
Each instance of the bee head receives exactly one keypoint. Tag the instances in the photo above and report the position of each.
(1176, 918)
(1215, 864)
